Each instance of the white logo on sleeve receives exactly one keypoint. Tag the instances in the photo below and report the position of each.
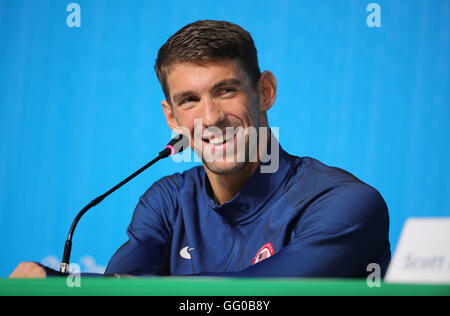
(184, 253)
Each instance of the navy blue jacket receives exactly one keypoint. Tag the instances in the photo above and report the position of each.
(305, 220)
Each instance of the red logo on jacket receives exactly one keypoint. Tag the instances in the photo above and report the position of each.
(264, 252)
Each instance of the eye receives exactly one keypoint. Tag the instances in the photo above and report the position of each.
(225, 91)
(188, 100)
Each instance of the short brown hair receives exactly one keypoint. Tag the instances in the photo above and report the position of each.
(205, 41)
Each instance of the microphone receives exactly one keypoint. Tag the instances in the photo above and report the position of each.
(175, 146)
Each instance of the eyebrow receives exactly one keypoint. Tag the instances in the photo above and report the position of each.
(227, 82)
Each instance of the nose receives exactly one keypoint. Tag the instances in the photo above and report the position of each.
(213, 114)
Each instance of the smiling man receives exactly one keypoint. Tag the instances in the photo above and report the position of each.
(233, 216)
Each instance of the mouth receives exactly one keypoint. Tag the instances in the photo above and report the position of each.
(219, 143)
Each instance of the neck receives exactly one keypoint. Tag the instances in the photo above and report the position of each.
(225, 187)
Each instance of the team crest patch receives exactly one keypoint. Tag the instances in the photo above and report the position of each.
(265, 252)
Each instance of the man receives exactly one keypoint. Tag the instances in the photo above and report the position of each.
(236, 216)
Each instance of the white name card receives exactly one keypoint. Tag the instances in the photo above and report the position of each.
(422, 255)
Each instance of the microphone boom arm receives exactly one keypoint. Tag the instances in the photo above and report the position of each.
(169, 150)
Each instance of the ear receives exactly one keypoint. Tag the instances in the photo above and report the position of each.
(170, 116)
(267, 89)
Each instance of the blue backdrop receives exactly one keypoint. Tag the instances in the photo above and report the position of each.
(80, 107)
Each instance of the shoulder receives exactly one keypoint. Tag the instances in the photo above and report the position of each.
(333, 195)
(169, 187)
(320, 174)
(340, 217)
(310, 177)
(159, 205)
(352, 203)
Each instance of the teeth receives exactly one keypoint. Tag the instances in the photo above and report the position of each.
(216, 141)
(220, 140)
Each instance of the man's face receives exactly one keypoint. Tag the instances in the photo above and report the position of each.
(205, 101)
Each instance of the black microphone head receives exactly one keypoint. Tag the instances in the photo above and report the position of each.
(175, 146)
